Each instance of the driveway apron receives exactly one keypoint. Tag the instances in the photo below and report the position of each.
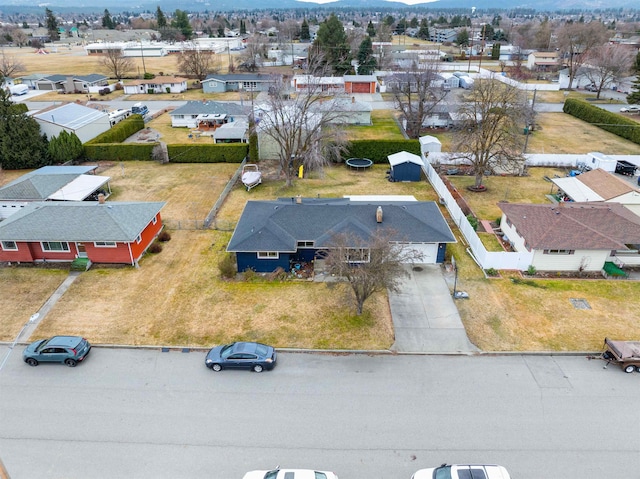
(425, 317)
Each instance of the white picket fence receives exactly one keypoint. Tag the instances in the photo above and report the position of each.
(486, 259)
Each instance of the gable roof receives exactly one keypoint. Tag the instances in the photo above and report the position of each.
(79, 221)
(71, 115)
(278, 225)
(211, 108)
(404, 157)
(158, 81)
(570, 226)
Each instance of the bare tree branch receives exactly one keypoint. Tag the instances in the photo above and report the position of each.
(9, 65)
(607, 64)
(576, 40)
(197, 62)
(116, 63)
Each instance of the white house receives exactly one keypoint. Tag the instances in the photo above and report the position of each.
(159, 84)
(85, 122)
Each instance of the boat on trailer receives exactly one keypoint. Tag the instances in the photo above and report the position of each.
(251, 176)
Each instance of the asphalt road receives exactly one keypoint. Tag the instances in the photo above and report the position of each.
(151, 414)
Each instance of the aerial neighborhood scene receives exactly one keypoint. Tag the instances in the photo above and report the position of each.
(419, 222)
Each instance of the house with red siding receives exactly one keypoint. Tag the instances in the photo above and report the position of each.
(113, 232)
(360, 84)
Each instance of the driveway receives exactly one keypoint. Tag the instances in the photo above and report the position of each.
(425, 317)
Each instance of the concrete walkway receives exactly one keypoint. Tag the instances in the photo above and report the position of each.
(425, 316)
(31, 326)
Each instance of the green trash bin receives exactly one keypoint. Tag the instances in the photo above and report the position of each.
(526, 130)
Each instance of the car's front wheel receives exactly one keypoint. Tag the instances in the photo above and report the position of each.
(258, 368)
(70, 362)
(32, 362)
(216, 367)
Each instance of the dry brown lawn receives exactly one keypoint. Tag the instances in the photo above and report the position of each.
(24, 292)
(177, 298)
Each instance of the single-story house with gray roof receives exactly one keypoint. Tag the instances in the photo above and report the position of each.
(70, 84)
(85, 122)
(216, 83)
(280, 233)
(60, 231)
(351, 111)
(191, 113)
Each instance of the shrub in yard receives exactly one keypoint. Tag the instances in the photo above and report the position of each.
(250, 275)
(498, 220)
(155, 248)
(227, 265)
(492, 272)
(531, 270)
(164, 236)
(473, 221)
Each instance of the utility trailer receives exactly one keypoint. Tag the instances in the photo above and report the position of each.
(625, 168)
(624, 353)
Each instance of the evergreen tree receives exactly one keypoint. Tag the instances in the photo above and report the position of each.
(243, 28)
(305, 35)
(462, 39)
(371, 30)
(160, 18)
(181, 22)
(52, 25)
(634, 96)
(423, 33)
(495, 51)
(21, 144)
(366, 61)
(65, 147)
(332, 42)
(107, 21)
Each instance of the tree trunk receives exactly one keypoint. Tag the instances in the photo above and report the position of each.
(479, 177)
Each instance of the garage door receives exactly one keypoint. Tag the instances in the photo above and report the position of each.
(360, 87)
(429, 251)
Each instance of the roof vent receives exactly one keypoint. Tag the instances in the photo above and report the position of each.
(379, 214)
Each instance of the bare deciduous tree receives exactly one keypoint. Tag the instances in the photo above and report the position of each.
(256, 49)
(304, 127)
(196, 62)
(489, 135)
(371, 264)
(9, 65)
(607, 64)
(576, 40)
(416, 93)
(116, 63)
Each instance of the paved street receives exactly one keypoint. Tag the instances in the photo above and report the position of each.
(151, 414)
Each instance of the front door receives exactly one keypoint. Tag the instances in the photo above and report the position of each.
(82, 252)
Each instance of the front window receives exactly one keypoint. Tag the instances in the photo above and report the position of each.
(104, 244)
(60, 246)
(358, 255)
(558, 251)
(268, 255)
(306, 244)
(9, 246)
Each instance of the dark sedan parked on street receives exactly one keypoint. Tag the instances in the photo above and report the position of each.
(241, 355)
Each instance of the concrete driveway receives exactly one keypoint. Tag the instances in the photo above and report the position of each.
(425, 316)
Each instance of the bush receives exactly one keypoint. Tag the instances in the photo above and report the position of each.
(227, 265)
(473, 221)
(531, 270)
(155, 248)
(149, 76)
(213, 153)
(492, 272)
(164, 236)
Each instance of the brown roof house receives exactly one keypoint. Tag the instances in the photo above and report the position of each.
(573, 236)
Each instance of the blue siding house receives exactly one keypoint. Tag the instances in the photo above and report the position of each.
(285, 232)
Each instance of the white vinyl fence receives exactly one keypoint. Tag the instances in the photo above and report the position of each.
(486, 259)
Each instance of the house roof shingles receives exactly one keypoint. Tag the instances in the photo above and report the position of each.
(211, 108)
(277, 225)
(79, 221)
(42, 183)
(605, 184)
(571, 226)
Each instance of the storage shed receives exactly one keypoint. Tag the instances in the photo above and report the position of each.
(405, 166)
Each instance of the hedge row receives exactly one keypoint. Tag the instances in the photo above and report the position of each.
(212, 153)
(118, 151)
(379, 150)
(120, 132)
(611, 122)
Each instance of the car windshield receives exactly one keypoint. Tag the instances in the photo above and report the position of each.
(226, 351)
(271, 474)
(443, 472)
(41, 345)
